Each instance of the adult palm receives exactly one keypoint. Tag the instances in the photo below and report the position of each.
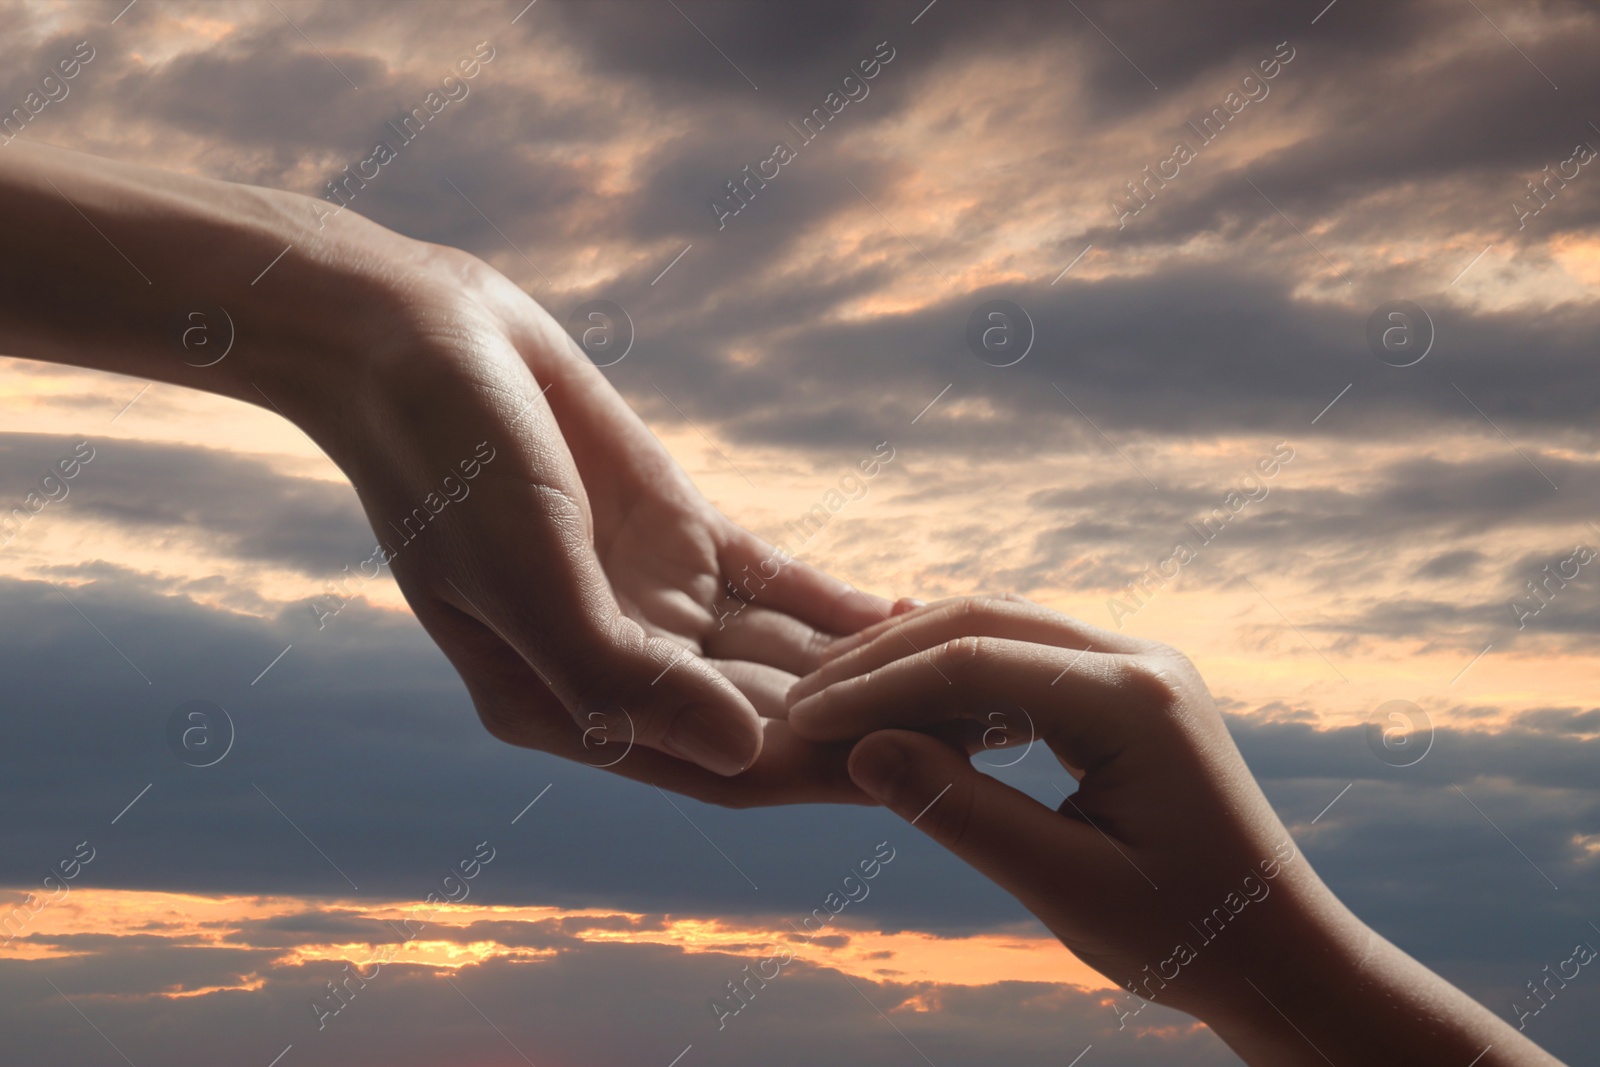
(595, 603)
(541, 533)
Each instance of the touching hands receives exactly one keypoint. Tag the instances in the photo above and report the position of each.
(582, 588)
(1163, 824)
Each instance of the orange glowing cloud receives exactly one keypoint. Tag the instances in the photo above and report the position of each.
(462, 934)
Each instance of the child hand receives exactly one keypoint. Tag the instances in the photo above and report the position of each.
(1167, 870)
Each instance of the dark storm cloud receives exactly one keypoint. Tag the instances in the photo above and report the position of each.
(1450, 498)
(1191, 349)
(307, 927)
(1285, 752)
(56, 85)
(688, 172)
(1561, 720)
(1363, 58)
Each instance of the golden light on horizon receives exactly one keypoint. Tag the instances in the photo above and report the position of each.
(445, 937)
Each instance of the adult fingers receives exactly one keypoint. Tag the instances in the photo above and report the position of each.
(548, 598)
(765, 687)
(751, 632)
(790, 770)
(769, 576)
(518, 709)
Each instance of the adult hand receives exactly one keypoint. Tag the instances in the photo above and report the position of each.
(576, 579)
(583, 591)
(1166, 869)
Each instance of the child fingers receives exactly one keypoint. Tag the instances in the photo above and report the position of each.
(1072, 696)
(1014, 620)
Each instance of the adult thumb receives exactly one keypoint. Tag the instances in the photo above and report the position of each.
(680, 703)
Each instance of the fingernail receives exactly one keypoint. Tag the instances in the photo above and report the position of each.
(721, 742)
(907, 603)
(878, 765)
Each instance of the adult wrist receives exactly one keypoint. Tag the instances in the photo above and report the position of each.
(323, 299)
(341, 315)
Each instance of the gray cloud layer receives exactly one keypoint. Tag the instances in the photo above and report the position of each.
(1396, 141)
(363, 738)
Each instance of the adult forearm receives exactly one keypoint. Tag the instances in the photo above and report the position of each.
(586, 563)
(107, 265)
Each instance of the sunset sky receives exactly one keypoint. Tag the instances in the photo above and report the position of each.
(1437, 154)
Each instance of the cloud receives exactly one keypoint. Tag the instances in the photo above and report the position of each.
(821, 320)
(364, 741)
(233, 504)
(656, 1002)
(1164, 344)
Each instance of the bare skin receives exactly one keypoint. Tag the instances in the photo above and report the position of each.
(588, 576)
(584, 576)
(1167, 870)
